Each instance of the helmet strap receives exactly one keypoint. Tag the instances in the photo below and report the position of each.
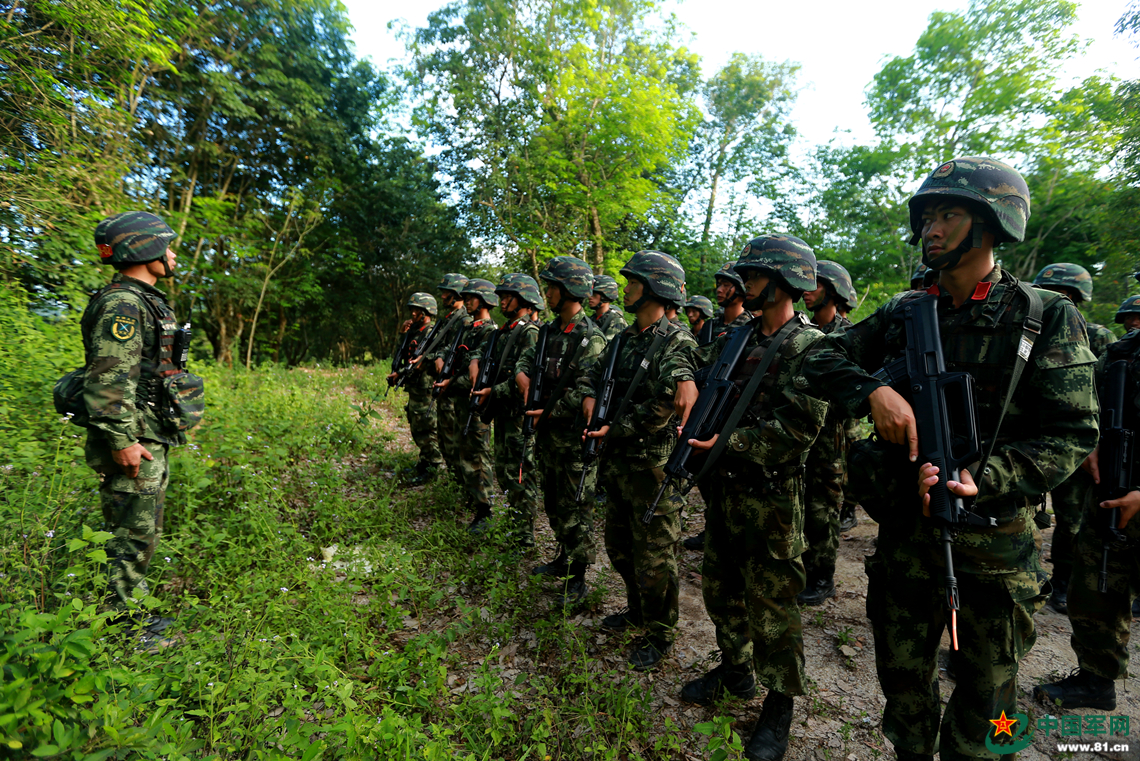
(950, 259)
(756, 304)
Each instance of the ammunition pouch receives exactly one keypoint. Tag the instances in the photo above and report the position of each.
(182, 399)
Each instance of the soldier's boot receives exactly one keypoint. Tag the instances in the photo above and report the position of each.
(481, 520)
(1059, 600)
(695, 542)
(423, 472)
(769, 741)
(820, 587)
(648, 652)
(628, 616)
(847, 519)
(1080, 689)
(557, 567)
(1136, 608)
(725, 678)
(575, 588)
(906, 755)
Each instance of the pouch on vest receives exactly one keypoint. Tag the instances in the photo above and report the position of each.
(185, 395)
(67, 395)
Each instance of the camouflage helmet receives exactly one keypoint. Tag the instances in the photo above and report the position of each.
(452, 281)
(1071, 276)
(662, 275)
(836, 274)
(607, 286)
(728, 272)
(1130, 305)
(785, 256)
(424, 301)
(133, 237)
(702, 304)
(484, 289)
(918, 278)
(522, 286)
(997, 186)
(573, 274)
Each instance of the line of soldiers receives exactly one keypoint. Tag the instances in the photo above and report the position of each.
(775, 476)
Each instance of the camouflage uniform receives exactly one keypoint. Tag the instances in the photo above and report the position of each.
(612, 322)
(447, 424)
(998, 569)
(475, 449)
(558, 439)
(419, 409)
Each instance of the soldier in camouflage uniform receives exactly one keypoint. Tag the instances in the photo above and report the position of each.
(699, 311)
(520, 300)
(752, 569)
(1075, 282)
(1102, 621)
(827, 461)
(475, 447)
(419, 409)
(919, 277)
(959, 213)
(573, 344)
(1128, 314)
(730, 297)
(129, 333)
(638, 443)
(447, 426)
(609, 320)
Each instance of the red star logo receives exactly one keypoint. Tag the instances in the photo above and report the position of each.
(1003, 725)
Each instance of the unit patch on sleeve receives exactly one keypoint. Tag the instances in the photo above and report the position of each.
(123, 327)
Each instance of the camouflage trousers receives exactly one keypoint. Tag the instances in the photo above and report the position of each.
(447, 430)
(132, 512)
(559, 471)
(421, 419)
(1102, 621)
(1068, 506)
(645, 556)
(907, 608)
(476, 457)
(752, 573)
(522, 496)
(826, 471)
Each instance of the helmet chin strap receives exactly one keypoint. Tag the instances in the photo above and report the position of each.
(756, 304)
(950, 259)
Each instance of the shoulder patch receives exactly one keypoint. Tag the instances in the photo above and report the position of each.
(123, 327)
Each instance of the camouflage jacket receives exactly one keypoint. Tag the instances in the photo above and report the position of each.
(1048, 430)
(446, 335)
(562, 341)
(121, 346)
(474, 341)
(1099, 338)
(645, 434)
(831, 446)
(612, 322)
(504, 389)
(720, 327)
(783, 418)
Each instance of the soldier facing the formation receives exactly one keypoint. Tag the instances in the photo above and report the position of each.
(420, 410)
(699, 312)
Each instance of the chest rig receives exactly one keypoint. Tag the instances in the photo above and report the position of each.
(562, 349)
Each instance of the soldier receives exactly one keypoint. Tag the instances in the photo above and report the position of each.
(609, 320)
(752, 569)
(133, 352)
(447, 427)
(1128, 314)
(1075, 282)
(572, 343)
(730, 297)
(987, 325)
(475, 453)
(699, 311)
(653, 356)
(827, 461)
(420, 410)
(520, 300)
(1102, 620)
(918, 279)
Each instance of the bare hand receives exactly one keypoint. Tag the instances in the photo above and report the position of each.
(894, 419)
(483, 394)
(536, 414)
(391, 377)
(1129, 505)
(598, 433)
(704, 446)
(130, 458)
(438, 365)
(406, 327)
(443, 384)
(523, 381)
(1092, 464)
(928, 476)
(684, 400)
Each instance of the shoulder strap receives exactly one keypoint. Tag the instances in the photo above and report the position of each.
(745, 399)
(511, 339)
(564, 381)
(661, 331)
(438, 339)
(1030, 329)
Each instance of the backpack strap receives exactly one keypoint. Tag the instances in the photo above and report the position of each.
(661, 332)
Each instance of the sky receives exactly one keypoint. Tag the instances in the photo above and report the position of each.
(840, 45)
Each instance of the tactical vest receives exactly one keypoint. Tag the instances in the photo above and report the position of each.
(761, 407)
(560, 347)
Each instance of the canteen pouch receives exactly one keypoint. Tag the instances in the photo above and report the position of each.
(67, 395)
(185, 399)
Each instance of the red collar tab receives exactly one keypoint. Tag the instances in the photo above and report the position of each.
(982, 291)
(512, 324)
(934, 290)
(568, 328)
(478, 324)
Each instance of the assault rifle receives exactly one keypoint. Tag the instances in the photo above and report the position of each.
(706, 334)
(401, 364)
(448, 363)
(534, 394)
(488, 368)
(946, 417)
(1115, 458)
(603, 412)
(709, 413)
(410, 366)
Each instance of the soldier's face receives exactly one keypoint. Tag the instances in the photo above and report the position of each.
(818, 296)
(157, 268)
(508, 303)
(1131, 322)
(472, 303)
(553, 295)
(944, 227)
(595, 300)
(725, 290)
(418, 314)
(755, 283)
(633, 291)
(693, 314)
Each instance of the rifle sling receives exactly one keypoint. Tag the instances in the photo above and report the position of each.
(564, 381)
(643, 368)
(438, 339)
(749, 391)
(511, 339)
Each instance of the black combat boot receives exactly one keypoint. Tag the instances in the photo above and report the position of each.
(847, 519)
(725, 678)
(575, 590)
(1080, 689)
(647, 652)
(557, 567)
(820, 586)
(769, 740)
(422, 473)
(628, 616)
(695, 542)
(1059, 600)
(481, 520)
(1136, 608)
